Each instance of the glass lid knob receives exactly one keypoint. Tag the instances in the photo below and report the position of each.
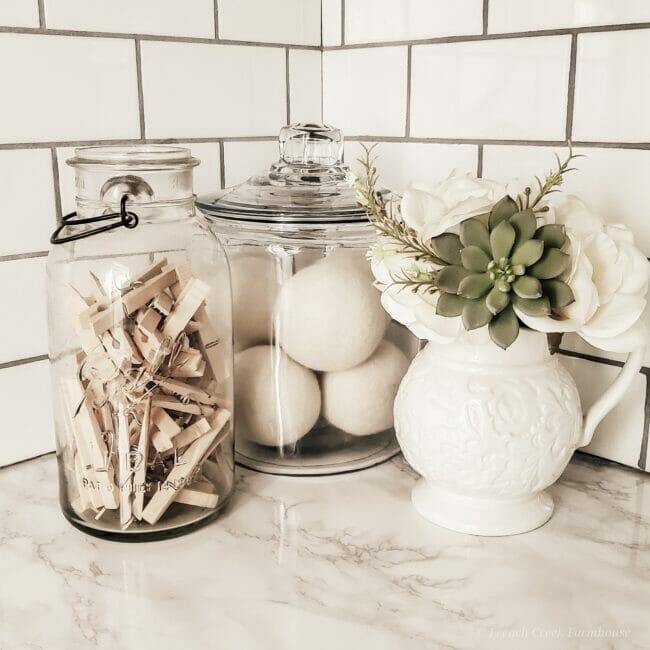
(310, 154)
(311, 145)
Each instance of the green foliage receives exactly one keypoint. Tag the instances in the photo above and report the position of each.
(498, 262)
(509, 264)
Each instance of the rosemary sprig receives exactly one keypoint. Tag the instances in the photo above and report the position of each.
(553, 179)
(382, 217)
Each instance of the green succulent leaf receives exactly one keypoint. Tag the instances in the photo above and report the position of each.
(447, 247)
(474, 232)
(553, 235)
(504, 328)
(552, 263)
(503, 285)
(476, 314)
(502, 239)
(502, 210)
(475, 259)
(475, 285)
(525, 225)
(527, 287)
(450, 305)
(528, 253)
(450, 277)
(536, 307)
(559, 293)
(496, 301)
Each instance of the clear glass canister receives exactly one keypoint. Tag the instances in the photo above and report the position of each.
(317, 361)
(140, 344)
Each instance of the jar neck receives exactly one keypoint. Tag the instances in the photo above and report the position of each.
(146, 212)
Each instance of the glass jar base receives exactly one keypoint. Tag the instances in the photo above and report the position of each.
(159, 531)
(365, 452)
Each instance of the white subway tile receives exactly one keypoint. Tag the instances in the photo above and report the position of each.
(518, 16)
(368, 21)
(612, 94)
(296, 22)
(510, 89)
(364, 90)
(202, 90)
(26, 407)
(613, 181)
(19, 13)
(23, 326)
(207, 176)
(245, 159)
(28, 210)
(169, 17)
(67, 88)
(331, 21)
(401, 163)
(619, 435)
(305, 86)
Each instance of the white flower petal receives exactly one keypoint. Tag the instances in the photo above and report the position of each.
(607, 275)
(612, 319)
(584, 291)
(631, 339)
(443, 326)
(635, 269)
(420, 208)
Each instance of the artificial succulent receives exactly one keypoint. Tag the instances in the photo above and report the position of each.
(498, 262)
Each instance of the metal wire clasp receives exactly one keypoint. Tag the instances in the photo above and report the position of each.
(126, 218)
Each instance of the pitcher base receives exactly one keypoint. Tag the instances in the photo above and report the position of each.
(481, 516)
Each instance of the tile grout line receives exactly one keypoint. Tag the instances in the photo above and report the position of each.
(571, 88)
(22, 362)
(467, 38)
(41, 14)
(407, 126)
(479, 161)
(58, 204)
(377, 138)
(342, 23)
(486, 13)
(643, 451)
(487, 141)
(151, 37)
(138, 74)
(222, 165)
(216, 20)
(170, 140)
(287, 85)
(22, 256)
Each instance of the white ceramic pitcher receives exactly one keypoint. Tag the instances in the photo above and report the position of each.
(489, 429)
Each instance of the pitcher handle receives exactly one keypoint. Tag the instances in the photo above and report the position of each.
(612, 396)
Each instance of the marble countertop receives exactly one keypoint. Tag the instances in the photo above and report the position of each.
(331, 563)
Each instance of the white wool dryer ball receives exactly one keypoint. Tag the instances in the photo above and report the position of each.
(360, 400)
(330, 315)
(254, 291)
(277, 401)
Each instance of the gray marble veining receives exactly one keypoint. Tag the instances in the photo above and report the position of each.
(324, 563)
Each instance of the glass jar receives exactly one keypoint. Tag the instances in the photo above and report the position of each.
(317, 361)
(140, 345)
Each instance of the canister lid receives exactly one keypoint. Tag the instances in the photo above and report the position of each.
(309, 184)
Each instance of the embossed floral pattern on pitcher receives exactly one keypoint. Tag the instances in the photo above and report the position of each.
(489, 430)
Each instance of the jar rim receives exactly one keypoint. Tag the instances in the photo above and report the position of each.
(150, 156)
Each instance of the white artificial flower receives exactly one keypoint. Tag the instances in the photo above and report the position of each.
(431, 210)
(609, 279)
